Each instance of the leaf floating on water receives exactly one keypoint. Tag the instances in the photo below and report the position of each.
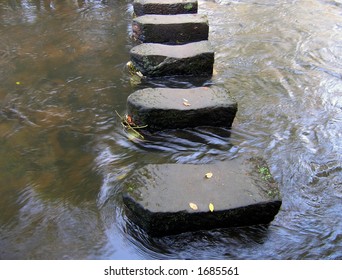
(211, 207)
(208, 175)
(133, 135)
(193, 206)
(129, 120)
(133, 70)
(130, 128)
(122, 176)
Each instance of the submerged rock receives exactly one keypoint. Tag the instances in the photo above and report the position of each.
(166, 199)
(170, 29)
(167, 108)
(165, 7)
(156, 60)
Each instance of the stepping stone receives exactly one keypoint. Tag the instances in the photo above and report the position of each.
(170, 29)
(166, 199)
(168, 108)
(155, 60)
(165, 7)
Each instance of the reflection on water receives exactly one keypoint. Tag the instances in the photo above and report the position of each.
(63, 153)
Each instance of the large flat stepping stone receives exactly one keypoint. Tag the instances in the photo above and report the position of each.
(165, 7)
(169, 199)
(168, 108)
(171, 29)
(156, 60)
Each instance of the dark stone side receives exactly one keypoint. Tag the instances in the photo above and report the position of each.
(171, 29)
(165, 7)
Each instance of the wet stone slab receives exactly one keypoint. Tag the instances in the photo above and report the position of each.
(169, 199)
(156, 60)
(170, 29)
(165, 7)
(168, 108)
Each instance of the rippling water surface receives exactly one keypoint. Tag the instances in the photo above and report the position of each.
(63, 153)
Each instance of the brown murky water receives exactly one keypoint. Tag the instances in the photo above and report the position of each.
(63, 154)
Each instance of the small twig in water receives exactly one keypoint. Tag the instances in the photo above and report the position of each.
(128, 125)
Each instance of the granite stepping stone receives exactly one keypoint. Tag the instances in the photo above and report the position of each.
(165, 7)
(166, 199)
(171, 29)
(168, 108)
(156, 60)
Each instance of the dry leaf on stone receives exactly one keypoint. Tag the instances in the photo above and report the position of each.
(208, 175)
(211, 207)
(186, 102)
(193, 206)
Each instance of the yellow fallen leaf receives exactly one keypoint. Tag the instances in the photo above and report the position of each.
(211, 207)
(17, 83)
(193, 206)
(186, 102)
(208, 175)
(122, 176)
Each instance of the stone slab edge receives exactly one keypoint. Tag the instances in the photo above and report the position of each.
(170, 29)
(166, 7)
(158, 60)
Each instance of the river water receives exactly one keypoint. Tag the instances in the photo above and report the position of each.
(64, 155)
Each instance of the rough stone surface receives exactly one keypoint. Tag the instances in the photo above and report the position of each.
(158, 197)
(155, 60)
(165, 7)
(164, 108)
(170, 29)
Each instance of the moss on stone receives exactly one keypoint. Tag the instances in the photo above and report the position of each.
(188, 6)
